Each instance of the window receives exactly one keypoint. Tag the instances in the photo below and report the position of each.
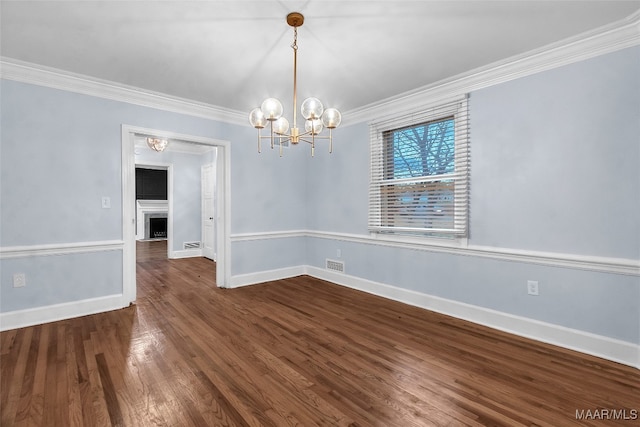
(420, 173)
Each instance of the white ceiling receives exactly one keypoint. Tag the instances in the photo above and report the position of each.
(233, 54)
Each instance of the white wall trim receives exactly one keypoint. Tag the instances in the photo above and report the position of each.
(608, 348)
(610, 265)
(21, 71)
(186, 253)
(266, 235)
(582, 262)
(266, 276)
(60, 249)
(607, 39)
(585, 342)
(597, 345)
(52, 313)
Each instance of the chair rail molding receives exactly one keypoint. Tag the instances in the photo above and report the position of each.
(7, 252)
(623, 266)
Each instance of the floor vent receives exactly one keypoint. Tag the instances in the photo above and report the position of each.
(335, 265)
(191, 245)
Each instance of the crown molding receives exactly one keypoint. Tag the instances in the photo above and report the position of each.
(609, 38)
(616, 36)
(25, 72)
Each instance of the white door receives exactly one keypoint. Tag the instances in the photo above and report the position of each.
(208, 176)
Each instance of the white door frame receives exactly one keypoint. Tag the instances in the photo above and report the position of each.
(223, 232)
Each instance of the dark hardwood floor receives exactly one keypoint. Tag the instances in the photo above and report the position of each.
(296, 352)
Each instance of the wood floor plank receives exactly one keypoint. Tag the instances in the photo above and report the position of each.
(13, 371)
(95, 408)
(26, 393)
(110, 394)
(298, 351)
(34, 413)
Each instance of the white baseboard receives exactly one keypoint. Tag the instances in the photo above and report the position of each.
(187, 253)
(52, 313)
(266, 276)
(607, 348)
(597, 345)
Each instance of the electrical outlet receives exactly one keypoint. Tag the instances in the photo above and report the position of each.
(106, 202)
(532, 287)
(19, 280)
(339, 253)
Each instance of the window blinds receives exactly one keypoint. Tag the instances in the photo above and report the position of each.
(420, 172)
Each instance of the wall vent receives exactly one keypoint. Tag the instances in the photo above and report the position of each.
(191, 245)
(335, 265)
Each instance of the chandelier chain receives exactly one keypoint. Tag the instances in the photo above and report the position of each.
(294, 45)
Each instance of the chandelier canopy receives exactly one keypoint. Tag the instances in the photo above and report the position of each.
(315, 115)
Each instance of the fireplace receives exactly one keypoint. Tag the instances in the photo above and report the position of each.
(157, 228)
(148, 210)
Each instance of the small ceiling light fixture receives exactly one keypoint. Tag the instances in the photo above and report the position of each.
(157, 144)
(316, 116)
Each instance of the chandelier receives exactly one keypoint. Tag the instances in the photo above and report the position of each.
(315, 115)
(157, 144)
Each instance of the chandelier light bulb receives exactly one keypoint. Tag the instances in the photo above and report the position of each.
(272, 109)
(331, 118)
(281, 126)
(257, 118)
(313, 126)
(311, 108)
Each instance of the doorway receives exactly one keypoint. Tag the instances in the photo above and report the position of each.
(220, 216)
(153, 196)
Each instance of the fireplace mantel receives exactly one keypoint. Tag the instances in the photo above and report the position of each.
(145, 208)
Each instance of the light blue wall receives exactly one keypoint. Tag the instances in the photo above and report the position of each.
(338, 183)
(57, 279)
(60, 153)
(555, 168)
(59, 156)
(187, 206)
(187, 193)
(555, 160)
(273, 196)
(268, 254)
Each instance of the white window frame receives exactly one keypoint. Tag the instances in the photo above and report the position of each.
(457, 108)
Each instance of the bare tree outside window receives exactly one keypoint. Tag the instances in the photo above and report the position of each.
(420, 162)
(425, 150)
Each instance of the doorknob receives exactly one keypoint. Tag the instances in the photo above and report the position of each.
(211, 218)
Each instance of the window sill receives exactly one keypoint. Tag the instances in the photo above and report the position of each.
(456, 242)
